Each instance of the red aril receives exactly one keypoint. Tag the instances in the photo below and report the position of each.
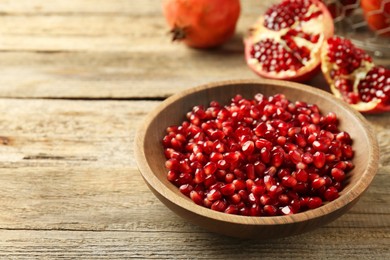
(246, 170)
(202, 23)
(353, 76)
(286, 41)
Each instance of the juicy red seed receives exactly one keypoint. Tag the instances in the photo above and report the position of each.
(337, 174)
(260, 157)
(196, 197)
(210, 168)
(347, 151)
(265, 199)
(215, 157)
(261, 143)
(331, 194)
(214, 195)
(186, 189)
(270, 210)
(259, 168)
(229, 177)
(314, 202)
(209, 180)
(248, 147)
(295, 156)
(172, 164)
(301, 175)
(239, 184)
(289, 181)
(340, 165)
(231, 209)
(318, 146)
(172, 176)
(228, 189)
(319, 159)
(307, 158)
(219, 205)
(265, 155)
(318, 183)
(277, 159)
(258, 190)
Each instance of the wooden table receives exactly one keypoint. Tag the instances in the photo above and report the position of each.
(76, 80)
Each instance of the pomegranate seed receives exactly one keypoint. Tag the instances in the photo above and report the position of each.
(258, 190)
(318, 183)
(289, 181)
(307, 158)
(231, 209)
(265, 200)
(196, 197)
(331, 194)
(228, 189)
(337, 174)
(235, 199)
(219, 205)
(319, 159)
(239, 184)
(295, 156)
(199, 176)
(186, 189)
(215, 157)
(347, 151)
(214, 195)
(172, 176)
(210, 168)
(270, 210)
(209, 180)
(229, 177)
(301, 175)
(172, 164)
(318, 146)
(263, 143)
(260, 157)
(248, 147)
(314, 202)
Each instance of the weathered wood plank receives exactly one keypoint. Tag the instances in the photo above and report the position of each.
(342, 243)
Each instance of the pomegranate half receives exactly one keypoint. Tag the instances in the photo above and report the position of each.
(285, 42)
(353, 76)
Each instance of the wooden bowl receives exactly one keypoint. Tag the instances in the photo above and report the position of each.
(151, 160)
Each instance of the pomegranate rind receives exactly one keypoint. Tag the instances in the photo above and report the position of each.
(373, 107)
(323, 25)
(206, 24)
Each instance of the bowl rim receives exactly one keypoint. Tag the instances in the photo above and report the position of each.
(351, 195)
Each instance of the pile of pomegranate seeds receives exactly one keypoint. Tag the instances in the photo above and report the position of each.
(265, 156)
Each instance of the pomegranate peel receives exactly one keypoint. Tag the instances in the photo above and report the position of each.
(285, 43)
(202, 23)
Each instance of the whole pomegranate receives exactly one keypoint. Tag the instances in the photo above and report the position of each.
(202, 23)
(354, 77)
(286, 41)
(377, 15)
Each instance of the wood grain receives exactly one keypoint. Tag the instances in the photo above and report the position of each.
(69, 184)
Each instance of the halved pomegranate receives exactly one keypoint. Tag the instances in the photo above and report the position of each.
(286, 41)
(353, 76)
